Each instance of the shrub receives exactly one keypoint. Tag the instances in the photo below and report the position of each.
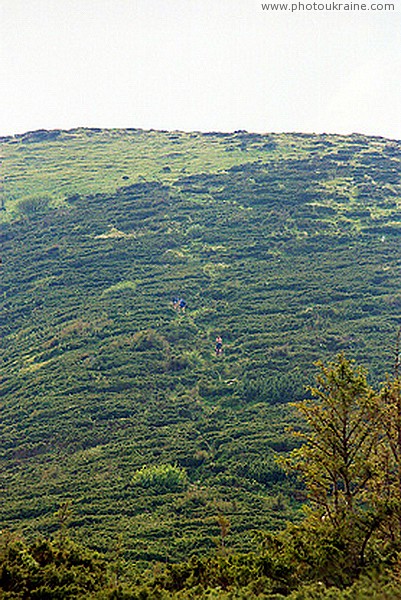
(35, 205)
(161, 478)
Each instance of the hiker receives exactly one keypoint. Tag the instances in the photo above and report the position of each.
(219, 345)
(179, 304)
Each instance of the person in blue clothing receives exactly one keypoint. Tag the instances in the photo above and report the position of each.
(219, 345)
(179, 304)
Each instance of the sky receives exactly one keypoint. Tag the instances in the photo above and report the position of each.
(200, 65)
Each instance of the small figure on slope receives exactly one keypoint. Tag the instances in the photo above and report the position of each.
(219, 345)
(179, 304)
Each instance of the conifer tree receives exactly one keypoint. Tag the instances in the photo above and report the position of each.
(338, 461)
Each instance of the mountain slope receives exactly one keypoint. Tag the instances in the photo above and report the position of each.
(287, 246)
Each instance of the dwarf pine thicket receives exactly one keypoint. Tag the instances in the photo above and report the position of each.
(114, 404)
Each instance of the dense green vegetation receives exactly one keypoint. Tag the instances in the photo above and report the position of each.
(347, 547)
(286, 245)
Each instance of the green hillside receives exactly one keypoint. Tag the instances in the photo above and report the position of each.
(288, 246)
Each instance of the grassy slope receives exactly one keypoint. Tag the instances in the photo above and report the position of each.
(287, 245)
(60, 164)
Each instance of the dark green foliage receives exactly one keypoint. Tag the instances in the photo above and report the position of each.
(33, 207)
(300, 563)
(279, 388)
(48, 570)
(287, 246)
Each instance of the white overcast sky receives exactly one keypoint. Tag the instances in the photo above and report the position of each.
(205, 65)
